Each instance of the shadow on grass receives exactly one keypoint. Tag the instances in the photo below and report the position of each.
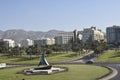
(115, 55)
(70, 55)
(22, 59)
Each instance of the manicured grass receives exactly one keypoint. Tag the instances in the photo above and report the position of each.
(75, 72)
(64, 57)
(55, 58)
(109, 56)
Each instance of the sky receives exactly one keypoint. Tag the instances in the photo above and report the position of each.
(66, 15)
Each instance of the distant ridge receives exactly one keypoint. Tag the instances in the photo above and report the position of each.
(20, 34)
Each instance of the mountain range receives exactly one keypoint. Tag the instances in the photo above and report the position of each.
(19, 35)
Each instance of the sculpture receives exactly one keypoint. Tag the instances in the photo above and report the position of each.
(43, 61)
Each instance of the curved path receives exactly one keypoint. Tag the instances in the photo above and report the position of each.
(112, 65)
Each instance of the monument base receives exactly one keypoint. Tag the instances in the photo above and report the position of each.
(44, 70)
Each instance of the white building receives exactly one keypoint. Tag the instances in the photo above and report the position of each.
(92, 34)
(50, 41)
(80, 36)
(11, 43)
(44, 41)
(64, 38)
(27, 43)
(18, 44)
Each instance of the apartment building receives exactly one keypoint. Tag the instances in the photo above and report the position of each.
(92, 34)
(8, 42)
(113, 34)
(64, 38)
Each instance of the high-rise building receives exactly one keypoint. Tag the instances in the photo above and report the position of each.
(92, 34)
(113, 34)
(75, 36)
(64, 38)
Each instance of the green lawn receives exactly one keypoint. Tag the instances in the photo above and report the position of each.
(109, 56)
(75, 72)
(55, 58)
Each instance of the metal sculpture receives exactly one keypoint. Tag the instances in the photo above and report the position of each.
(43, 61)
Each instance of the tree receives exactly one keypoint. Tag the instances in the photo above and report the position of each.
(100, 46)
(15, 51)
(116, 44)
(29, 51)
(48, 52)
(37, 50)
(4, 50)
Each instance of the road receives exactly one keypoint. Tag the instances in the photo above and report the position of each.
(112, 65)
(90, 56)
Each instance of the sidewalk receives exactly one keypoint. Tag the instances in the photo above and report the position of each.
(113, 73)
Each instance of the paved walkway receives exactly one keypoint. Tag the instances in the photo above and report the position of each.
(111, 75)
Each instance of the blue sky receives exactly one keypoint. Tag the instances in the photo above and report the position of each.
(67, 15)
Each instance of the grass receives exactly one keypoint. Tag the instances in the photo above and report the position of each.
(25, 60)
(63, 57)
(109, 56)
(76, 72)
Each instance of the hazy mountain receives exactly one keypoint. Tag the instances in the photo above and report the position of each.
(19, 35)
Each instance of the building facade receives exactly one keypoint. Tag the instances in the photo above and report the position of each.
(44, 41)
(75, 39)
(4, 43)
(9, 42)
(64, 38)
(26, 43)
(79, 36)
(92, 34)
(113, 34)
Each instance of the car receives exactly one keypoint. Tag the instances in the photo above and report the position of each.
(89, 62)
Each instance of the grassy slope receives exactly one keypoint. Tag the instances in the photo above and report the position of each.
(76, 72)
(109, 56)
(63, 57)
(23, 60)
